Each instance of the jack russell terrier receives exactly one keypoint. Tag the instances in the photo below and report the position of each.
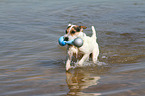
(89, 47)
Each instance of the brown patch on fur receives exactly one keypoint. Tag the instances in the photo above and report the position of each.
(75, 30)
(84, 27)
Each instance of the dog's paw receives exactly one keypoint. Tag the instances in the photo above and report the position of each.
(68, 67)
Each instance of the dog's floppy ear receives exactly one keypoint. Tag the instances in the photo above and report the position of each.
(82, 27)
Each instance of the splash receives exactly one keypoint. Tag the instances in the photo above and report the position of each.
(88, 64)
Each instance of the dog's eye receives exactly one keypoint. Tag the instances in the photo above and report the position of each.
(78, 29)
(73, 32)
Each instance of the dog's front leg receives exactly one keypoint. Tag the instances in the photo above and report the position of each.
(69, 57)
(84, 58)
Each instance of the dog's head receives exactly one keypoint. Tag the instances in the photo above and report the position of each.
(73, 31)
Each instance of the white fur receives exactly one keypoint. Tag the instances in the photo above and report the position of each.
(89, 46)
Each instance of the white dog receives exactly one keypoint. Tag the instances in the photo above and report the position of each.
(90, 46)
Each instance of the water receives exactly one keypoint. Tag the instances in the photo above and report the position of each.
(32, 62)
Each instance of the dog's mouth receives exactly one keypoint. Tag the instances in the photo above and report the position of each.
(66, 39)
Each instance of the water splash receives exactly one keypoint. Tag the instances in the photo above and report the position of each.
(88, 64)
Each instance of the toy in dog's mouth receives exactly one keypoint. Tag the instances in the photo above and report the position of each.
(78, 42)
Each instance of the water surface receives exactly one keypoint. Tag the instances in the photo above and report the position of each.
(32, 62)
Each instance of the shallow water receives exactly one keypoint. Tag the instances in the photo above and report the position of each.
(32, 62)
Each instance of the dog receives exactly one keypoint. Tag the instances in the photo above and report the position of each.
(89, 47)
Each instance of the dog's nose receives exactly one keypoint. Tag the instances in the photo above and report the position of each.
(66, 39)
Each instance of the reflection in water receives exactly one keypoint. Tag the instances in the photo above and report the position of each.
(79, 80)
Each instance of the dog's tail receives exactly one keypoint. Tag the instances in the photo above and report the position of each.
(94, 33)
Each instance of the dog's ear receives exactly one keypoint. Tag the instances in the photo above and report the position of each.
(82, 27)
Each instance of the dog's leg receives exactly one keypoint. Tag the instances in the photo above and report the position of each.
(68, 64)
(95, 54)
(84, 58)
(68, 61)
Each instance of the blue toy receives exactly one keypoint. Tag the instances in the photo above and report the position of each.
(78, 42)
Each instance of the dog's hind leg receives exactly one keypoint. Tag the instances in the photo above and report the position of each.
(95, 54)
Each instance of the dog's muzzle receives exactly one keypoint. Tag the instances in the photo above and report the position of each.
(66, 38)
